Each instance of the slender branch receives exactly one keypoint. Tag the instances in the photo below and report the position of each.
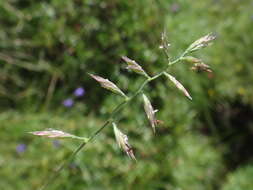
(81, 146)
(179, 58)
(62, 166)
(108, 122)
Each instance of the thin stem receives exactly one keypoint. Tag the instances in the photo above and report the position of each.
(108, 122)
(62, 166)
(179, 58)
(82, 145)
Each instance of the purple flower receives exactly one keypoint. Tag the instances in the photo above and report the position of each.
(73, 165)
(56, 143)
(68, 102)
(21, 148)
(79, 92)
(175, 8)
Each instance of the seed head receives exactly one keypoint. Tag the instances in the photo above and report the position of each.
(178, 85)
(150, 112)
(52, 133)
(105, 83)
(133, 66)
(202, 42)
(201, 67)
(122, 141)
(165, 45)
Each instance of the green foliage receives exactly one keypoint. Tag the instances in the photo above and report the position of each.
(50, 40)
(195, 165)
(48, 43)
(189, 161)
(47, 48)
(240, 179)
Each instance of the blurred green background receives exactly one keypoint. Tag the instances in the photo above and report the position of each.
(48, 47)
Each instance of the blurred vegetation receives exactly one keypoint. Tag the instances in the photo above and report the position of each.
(240, 179)
(46, 50)
(163, 161)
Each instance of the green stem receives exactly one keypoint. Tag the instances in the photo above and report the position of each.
(82, 145)
(108, 122)
(62, 166)
(179, 58)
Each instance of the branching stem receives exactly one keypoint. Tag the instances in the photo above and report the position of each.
(109, 121)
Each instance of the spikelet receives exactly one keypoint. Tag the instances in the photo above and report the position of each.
(202, 42)
(52, 133)
(133, 66)
(122, 141)
(105, 83)
(201, 67)
(150, 112)
(178, 85)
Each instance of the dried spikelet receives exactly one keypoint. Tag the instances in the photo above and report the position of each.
(200, 67)
(105, 83)
(122, 141)
(178, 85)
(202, 42)
(165, 45)
(133, 66)
(52, 133)
(150, 112)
